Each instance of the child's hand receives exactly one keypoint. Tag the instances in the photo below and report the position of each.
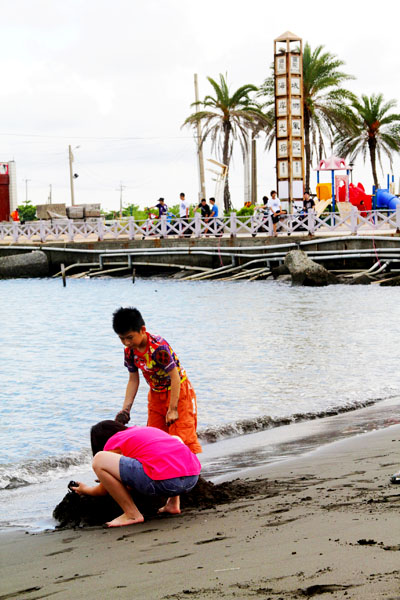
(171, 416)
(123, 417)
(80, 489)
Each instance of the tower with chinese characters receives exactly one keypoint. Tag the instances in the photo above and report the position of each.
(288, 75)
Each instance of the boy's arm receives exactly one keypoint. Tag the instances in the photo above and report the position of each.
(131, 390)
(172, 414)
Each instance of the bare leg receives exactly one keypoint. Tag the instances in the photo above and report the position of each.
(172, 506)
(106, 467)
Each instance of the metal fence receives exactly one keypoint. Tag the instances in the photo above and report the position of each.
(353, 222)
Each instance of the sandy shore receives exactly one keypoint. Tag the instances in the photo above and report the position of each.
(325, 525)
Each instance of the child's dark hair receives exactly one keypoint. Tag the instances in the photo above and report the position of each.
(101, 433)
(127, 319)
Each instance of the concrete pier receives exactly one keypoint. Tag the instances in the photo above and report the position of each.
(161, 256)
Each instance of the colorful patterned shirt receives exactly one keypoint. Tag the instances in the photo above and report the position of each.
(155, 362)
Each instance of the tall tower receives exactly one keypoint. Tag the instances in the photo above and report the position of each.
(289, 118)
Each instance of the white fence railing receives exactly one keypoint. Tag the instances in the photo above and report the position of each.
(258, 224)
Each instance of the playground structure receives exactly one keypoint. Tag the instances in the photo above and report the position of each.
(387, 199)
(343, 194)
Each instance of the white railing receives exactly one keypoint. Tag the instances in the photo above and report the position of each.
(258, 224)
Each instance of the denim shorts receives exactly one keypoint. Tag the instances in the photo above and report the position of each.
(133, 475)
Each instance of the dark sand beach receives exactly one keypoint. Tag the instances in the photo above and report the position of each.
(324, 525)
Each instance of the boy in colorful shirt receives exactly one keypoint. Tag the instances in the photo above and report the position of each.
(172, 403)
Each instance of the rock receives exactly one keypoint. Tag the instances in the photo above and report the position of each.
(31, 264)
(305, 271)
(392, 281)
(279, 271)
(363, 279)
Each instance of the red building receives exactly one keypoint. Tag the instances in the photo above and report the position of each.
(8, 195)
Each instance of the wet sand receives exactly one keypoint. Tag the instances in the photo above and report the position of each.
(324, 525)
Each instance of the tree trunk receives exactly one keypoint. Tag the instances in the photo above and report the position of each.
(225, 160)
(320, 148)
(307, 147)
(372, 154)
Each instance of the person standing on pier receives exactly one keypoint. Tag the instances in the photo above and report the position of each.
(183, 215)
(161, 207)
(172, 404)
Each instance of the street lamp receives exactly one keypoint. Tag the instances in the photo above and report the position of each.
(351, 165)
(72, 175)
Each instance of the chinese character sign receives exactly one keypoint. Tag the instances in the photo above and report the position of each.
(289, 116)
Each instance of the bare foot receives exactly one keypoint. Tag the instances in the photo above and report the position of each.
(171, 507)
(124, 520)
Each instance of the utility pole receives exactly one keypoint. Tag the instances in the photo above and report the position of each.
(26, 189)
(246, 168)
(71, 175)
(253, 170)
(121, 187)
(202, 193)
(50, 191)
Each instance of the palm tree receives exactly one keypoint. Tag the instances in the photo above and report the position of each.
(323, 97)
(227, 118)
(367, 125)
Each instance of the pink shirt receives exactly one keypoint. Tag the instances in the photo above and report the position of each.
(161, 455)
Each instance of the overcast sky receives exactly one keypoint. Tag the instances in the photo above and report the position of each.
(116, 79)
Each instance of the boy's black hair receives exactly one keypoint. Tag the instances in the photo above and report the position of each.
(101, 433)
(273, 192)
(265, 200)
(212, 199)
(127, 319)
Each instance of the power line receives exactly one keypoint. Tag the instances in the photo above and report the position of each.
(83, 137)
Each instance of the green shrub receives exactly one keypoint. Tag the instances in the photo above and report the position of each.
(26, 211)
(245, 211)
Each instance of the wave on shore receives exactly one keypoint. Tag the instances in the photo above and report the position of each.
(37, 471)
(246, 426)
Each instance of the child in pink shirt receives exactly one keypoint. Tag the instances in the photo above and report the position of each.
(146, 459)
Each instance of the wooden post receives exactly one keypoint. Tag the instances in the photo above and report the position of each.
(64, 279)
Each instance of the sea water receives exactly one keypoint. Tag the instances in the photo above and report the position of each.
(259, 355)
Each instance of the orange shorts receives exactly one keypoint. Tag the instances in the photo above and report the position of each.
(186, 425)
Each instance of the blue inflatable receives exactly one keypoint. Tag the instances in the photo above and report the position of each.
(385, 199)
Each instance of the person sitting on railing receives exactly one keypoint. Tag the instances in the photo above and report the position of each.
(261, 211)
(214, 216)
(308, 203)
(275, 208)
(149, 222)
(205, 212)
